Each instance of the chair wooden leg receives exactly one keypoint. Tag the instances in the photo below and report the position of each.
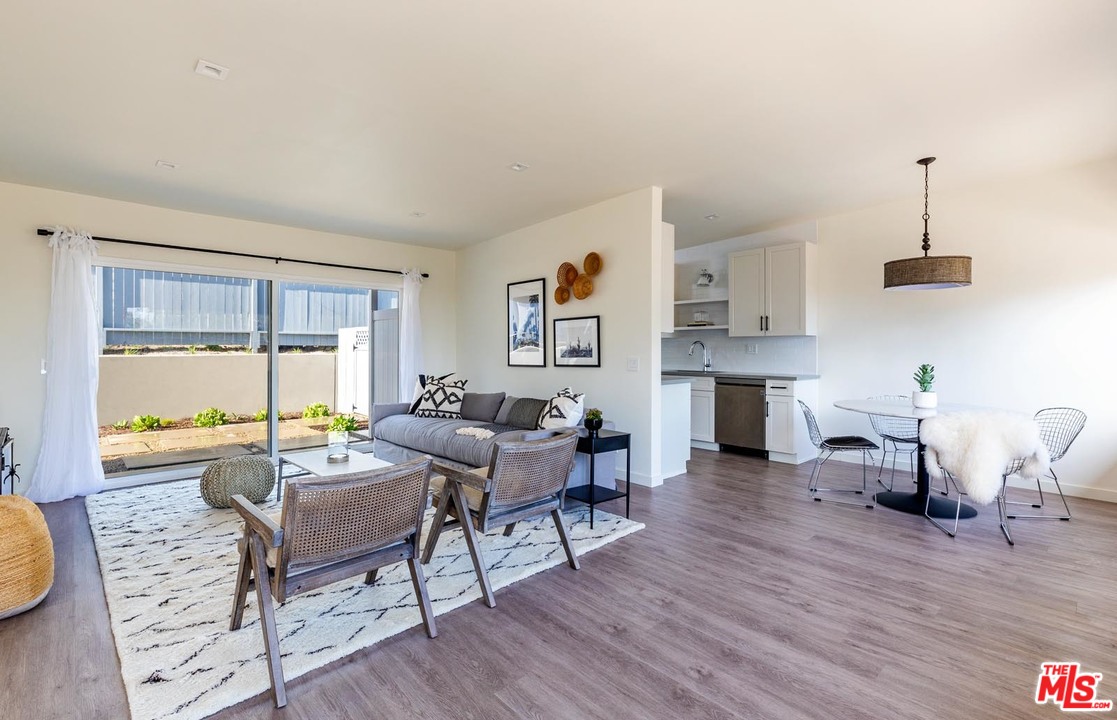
(370, 576)
(240, 591)
(571, 558)
(267, 621)
(509, 529)
(471, 542)
(420, 583)
(436, 524)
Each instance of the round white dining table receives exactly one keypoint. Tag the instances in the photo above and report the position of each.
(915, 502)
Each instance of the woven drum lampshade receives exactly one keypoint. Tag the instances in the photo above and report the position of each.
(928, 272)
(26, 556)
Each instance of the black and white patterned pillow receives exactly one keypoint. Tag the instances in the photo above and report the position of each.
(442, 399)
(420, 384)
(564, 410)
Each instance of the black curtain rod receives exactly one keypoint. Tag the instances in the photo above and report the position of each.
(47, 232)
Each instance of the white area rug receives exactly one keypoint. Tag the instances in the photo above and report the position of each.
(168, 562)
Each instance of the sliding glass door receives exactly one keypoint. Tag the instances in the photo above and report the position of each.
(187, 374)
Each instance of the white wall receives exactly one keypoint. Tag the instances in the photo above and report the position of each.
(627, 232)
(26, 261)
(1034, 330)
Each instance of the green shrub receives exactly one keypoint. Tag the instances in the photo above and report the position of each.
(210, 417)
(343, 423)
(143, 423)
(261, 415)
(131, 350)
(214, 348)
(316, 410)
(121, 425)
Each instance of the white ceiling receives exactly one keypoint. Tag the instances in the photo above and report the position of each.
(349, 115)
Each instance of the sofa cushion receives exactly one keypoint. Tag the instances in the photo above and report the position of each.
(481, 406)
(438, 437)
(505, 410)
(421, 384)
(525, 413)
(441, 400)
(563, 410)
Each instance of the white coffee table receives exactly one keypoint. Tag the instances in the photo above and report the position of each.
(314, 462)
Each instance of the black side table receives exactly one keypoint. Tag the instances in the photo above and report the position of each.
(602, 441)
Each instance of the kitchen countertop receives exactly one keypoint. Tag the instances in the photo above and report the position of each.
(732, 374)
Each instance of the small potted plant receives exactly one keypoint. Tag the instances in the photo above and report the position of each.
(593, 420)
(924, 397)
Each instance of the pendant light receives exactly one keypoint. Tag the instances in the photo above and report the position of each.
(927, 272)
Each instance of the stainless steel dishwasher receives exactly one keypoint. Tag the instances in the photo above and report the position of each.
(739, 412)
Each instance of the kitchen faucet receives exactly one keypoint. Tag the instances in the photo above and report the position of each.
(706, 364)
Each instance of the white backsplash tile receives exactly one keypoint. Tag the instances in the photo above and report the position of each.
(784, 355)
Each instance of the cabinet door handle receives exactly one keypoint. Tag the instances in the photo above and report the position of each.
(761, 323)
(766, 404)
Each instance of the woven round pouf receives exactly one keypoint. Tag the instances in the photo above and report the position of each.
(250, 475)
(26, 556)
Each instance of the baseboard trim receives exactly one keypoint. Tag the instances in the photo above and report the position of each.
(705, 445)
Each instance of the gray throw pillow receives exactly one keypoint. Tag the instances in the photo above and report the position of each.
(481, 406)
(505, 410)
(525, 413)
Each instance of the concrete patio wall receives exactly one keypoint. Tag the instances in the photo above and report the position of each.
(178, 386)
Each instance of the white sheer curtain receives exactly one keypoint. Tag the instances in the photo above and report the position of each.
(69, 458)
(410, 334)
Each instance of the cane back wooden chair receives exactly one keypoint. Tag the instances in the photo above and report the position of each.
(524, 480)
(330, 529)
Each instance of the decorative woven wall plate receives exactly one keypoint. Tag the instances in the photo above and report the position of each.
(593, 263)
(567, 274)
(583, 287)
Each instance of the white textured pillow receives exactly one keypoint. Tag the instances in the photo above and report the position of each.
(441, 399)
(565, 409)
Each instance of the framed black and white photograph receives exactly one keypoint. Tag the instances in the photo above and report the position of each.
(527, 328)
(578, 341)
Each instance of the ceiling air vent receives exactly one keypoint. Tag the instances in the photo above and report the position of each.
(211, 70)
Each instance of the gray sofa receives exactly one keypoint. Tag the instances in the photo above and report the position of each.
(399, 436)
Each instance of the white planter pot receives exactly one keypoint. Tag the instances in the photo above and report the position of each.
(925, 400)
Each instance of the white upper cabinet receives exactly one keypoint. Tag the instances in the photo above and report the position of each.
(772, 291)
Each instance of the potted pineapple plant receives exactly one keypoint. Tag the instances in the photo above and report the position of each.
(925, 397)
(593, 420)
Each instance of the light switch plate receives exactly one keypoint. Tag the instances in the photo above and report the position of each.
(751, 349)
(633, 363)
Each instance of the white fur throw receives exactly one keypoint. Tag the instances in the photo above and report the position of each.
(479, 433)
(977, 447)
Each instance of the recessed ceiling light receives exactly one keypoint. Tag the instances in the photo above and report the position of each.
(418, 214)
(518, 167)
(712, 216)
(211, 70)
(165, 165)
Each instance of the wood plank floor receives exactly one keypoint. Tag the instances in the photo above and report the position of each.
(741, 599)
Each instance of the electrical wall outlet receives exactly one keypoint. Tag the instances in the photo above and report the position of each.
(751, 348)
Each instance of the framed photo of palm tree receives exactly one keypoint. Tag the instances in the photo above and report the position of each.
(578, 342)
(527, 326)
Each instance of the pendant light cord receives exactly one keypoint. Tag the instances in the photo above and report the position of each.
(926, 214)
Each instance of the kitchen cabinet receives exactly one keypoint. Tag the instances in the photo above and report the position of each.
(786, 437)
(702, 410)
(779, 417)
(772, 291)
